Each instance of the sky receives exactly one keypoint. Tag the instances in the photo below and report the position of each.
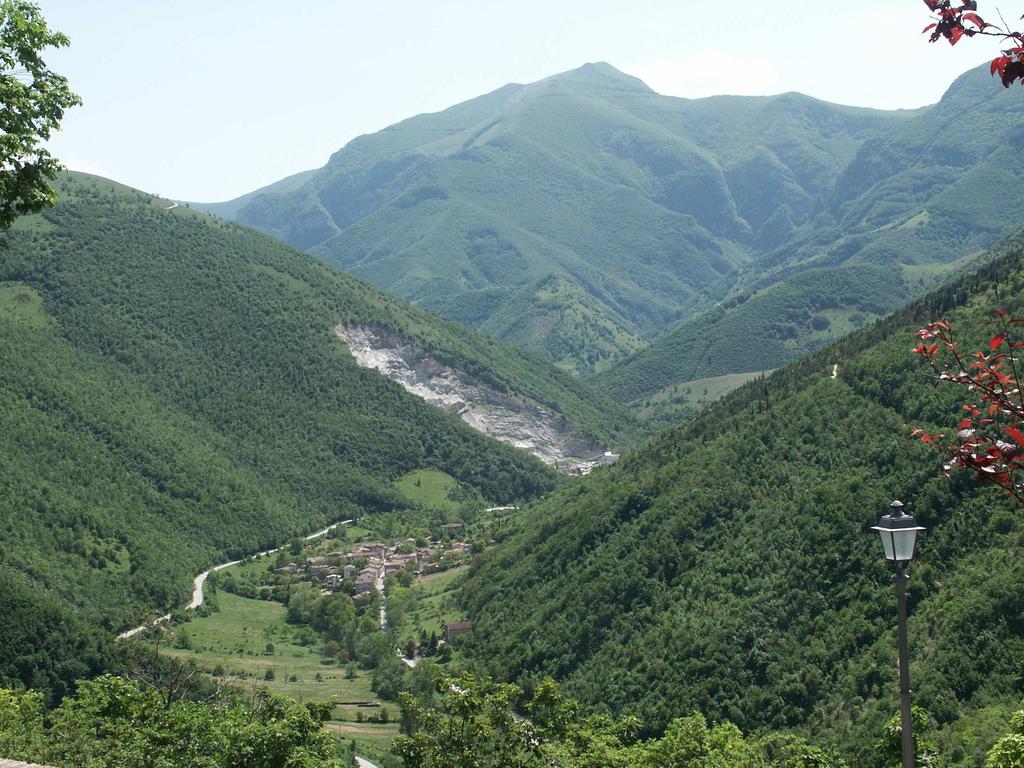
(205, 101)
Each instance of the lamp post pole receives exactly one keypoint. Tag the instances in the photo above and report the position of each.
(899, 531)
(906, 716)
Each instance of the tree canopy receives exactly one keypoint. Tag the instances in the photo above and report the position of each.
(33, 100)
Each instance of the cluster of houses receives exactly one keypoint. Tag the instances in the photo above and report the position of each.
(581, 468)
(369, 563)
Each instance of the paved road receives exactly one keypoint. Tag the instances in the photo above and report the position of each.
(362, 762)
(200, 581)
(383, 606)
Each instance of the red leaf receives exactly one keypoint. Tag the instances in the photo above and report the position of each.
(930, 27)
(964, 424)
(975, 19)
(1002, 479)
(955, 34)
(995, 341)
(1016, 435)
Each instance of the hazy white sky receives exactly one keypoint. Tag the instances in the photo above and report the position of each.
(207, 100)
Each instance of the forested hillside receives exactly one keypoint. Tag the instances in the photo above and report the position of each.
(728, 567)
(172, 393)
(584, 216)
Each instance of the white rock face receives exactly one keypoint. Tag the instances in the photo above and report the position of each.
(509, 419)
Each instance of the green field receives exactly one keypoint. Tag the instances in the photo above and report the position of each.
(373, 740)
(22, 303)
(236, 638)
(428, 488)
(678, 401)
(435, 604)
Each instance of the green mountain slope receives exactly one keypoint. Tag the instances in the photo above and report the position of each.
(914, 206)
(760, 330)
(230, 208)
(173, 393)
(657, 209)
(647, 204)
(559, 321)
(728, 567)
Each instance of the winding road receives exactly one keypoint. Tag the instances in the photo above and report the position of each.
(200, 581)
(197, 600)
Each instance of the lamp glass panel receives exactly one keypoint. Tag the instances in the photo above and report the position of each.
(887, 543)
(903, 543)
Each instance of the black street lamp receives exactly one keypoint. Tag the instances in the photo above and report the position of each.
(898, 531)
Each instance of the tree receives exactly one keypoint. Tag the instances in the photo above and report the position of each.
(890, 745)
(33, 100)
(389, 677)
(473, 727)
(990, 438)
(1008, 752)
(115, 723)
(953, 22)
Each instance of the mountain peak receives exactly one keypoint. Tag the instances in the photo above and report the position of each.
(600, 74)
(976, 83)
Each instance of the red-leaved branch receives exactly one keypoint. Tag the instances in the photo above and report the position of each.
(953, 21)
(990, 438)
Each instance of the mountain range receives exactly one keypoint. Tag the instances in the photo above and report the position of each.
(173, 392)
(654, 240)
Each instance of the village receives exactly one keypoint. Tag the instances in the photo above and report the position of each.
(364, 567)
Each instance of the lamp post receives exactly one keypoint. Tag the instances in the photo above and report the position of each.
(898, 532)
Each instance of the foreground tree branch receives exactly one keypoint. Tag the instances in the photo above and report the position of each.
(32, 103)
(989, 440)
(952, 22)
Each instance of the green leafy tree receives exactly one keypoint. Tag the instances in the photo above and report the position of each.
(925, 749)
(473, 727)
(389, 676)
(1008, 752)
(21, 724)
(474, 722)
(691, 742)
(33, 100)
(115, 723)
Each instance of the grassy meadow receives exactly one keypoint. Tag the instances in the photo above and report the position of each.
(246, 638)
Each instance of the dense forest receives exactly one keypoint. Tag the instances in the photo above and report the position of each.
(173, 395)
(728, 566)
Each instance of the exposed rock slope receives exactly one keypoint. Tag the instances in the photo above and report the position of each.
(509, 419)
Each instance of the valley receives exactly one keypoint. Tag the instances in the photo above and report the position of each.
(174, 396)
(247, 638)
(552, 427)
